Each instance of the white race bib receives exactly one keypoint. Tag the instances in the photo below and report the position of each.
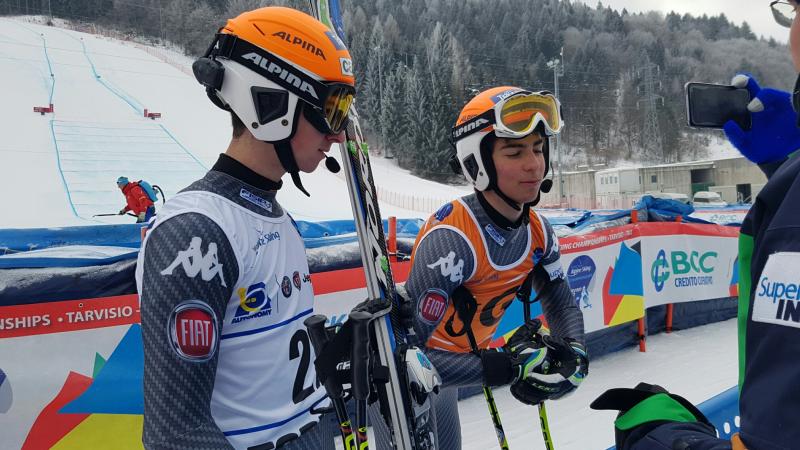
(777, 295)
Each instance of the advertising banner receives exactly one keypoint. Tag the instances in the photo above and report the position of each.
(604, 270)
(71, 371)
(686, 262)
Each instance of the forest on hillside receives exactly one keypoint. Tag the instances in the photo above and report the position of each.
(418, 61)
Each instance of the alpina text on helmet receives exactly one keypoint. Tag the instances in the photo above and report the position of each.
(480, 123)
(294, 40)
(282, 73)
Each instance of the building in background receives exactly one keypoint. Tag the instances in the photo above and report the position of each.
(735, 179)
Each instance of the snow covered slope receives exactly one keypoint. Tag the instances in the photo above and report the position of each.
(59, 169)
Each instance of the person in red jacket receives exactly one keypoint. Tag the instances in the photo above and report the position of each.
(137, 200)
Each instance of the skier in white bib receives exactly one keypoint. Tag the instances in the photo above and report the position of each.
(222, 275)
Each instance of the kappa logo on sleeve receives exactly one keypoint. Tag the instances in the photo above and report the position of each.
(777, 295)
(194, 262)
(449, 268)
(193, 331)
(432, 306)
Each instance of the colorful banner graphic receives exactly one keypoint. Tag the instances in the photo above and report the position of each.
(57, 317)
(71, 371)
(605, 274)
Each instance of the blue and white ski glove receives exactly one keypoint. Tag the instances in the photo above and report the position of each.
(514, 361)
(546, 367)
(774, 133)
(526, 350)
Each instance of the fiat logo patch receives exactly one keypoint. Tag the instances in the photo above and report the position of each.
(193, 330)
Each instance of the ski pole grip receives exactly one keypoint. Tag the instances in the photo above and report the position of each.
(360, 353)
(319, 339)
(316, 332)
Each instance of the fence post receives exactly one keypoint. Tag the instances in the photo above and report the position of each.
(669, 318)
(391, 243)
(642, 337)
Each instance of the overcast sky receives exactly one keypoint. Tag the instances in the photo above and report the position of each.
(755, 12)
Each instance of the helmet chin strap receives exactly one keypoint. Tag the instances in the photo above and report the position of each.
(544, 187)
(516, 206)
(286, 156)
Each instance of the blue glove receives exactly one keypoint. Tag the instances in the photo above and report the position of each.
(774, 134)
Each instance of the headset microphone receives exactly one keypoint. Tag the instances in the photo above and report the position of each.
(332, 164)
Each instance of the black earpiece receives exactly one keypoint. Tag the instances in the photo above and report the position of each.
(209, 72)
(332, 164)
(454, 165)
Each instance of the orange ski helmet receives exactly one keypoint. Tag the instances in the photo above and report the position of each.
(270, 65)
(506, 112)
(264, 62)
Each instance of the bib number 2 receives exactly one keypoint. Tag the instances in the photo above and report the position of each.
(300, 347)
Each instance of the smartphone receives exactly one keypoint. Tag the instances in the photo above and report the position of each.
(712, 105)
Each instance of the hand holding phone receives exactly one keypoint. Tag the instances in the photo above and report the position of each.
(713, 105)
(774, 133)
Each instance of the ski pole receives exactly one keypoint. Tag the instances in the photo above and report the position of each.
(548, 439)
(160, 191)
(498, 424)
(359, 368)
(466, 315)
(319, 337)
(113, 214)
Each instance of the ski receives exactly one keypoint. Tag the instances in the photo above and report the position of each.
(400, 375)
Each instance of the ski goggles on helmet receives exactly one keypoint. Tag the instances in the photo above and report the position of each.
(330, 101)
(334, 117)
(515, 116)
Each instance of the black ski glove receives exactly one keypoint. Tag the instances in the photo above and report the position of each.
(645, 408)
(536, 365)
(561, 371)
(502, 366)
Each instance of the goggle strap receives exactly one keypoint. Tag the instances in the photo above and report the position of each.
(472, 126)
(272, 68)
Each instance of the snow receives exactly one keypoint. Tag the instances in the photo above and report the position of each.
(62, 172)
(719, 148)
(697, 363)
(62, 167)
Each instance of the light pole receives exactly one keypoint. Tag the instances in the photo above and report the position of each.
(161, 24)
(557, 65)
(380, 101)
